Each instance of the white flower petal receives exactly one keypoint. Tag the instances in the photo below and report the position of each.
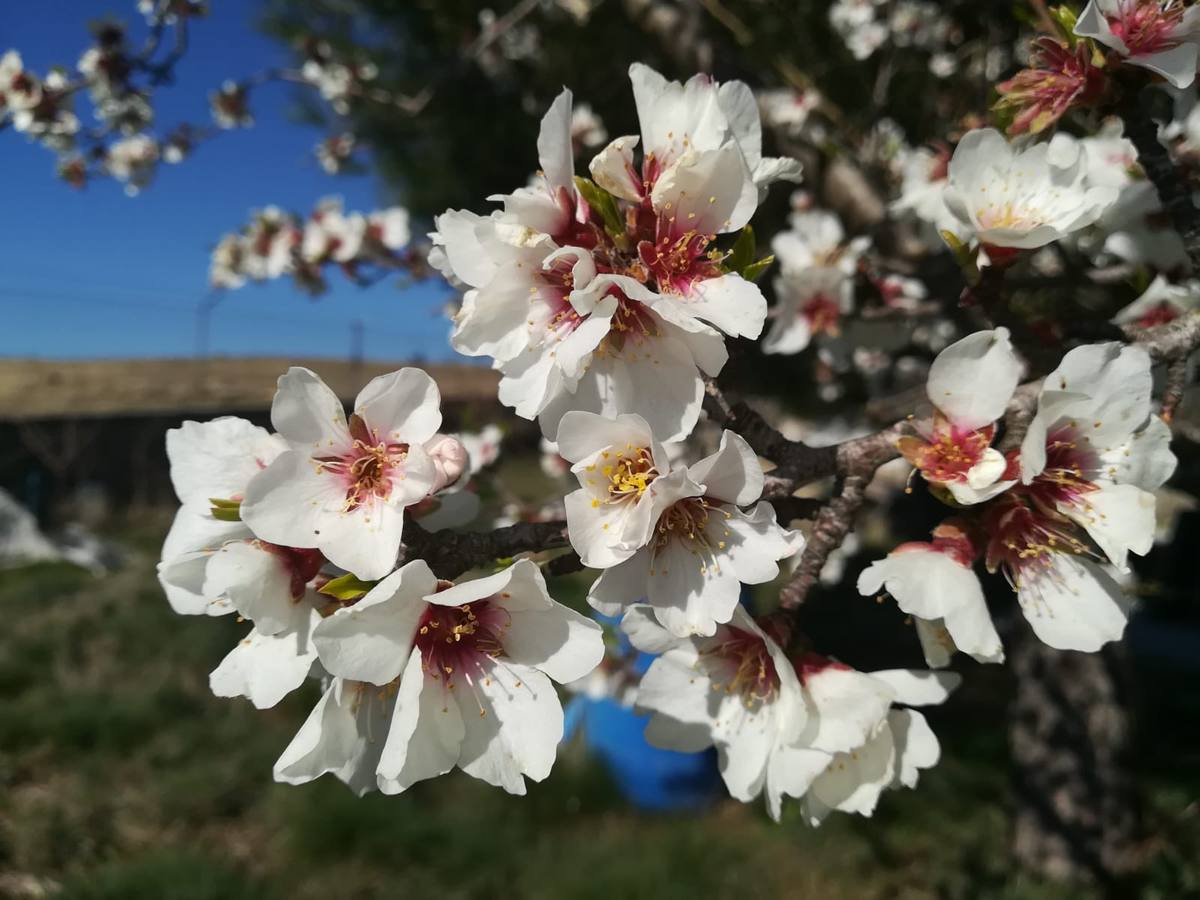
(613, 170)
(371, 640)
(256, 581)
(554, 144)
(402, 406)
(732, 474)
(729, 303)
(918, 687)
(426, 731)
(344, 735)
(513, 723)
(266, 668)
(306, 411)
(916, 745)
(973, 379)
(1075, 605)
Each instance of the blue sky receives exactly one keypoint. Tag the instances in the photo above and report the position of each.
(95, 273)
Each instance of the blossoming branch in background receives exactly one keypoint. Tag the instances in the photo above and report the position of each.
(277, 244)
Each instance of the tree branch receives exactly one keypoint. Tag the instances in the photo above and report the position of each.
(1173, 191)
(853, 462)
(829, 531)
(450, 553)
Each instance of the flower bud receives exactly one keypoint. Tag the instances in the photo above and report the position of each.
(449, 458)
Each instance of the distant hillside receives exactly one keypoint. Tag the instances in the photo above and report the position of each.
(41, 389)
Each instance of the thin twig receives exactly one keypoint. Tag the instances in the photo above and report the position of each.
(1173, 191)
(828, 533)
(1177, 376)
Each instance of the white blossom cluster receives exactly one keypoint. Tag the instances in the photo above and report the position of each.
(120, 83)
(277, 244)
(38, 107)
(299, 532)
(605, 302)
(867, 25)
(1052, 515)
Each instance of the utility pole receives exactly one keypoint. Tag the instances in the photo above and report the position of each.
(204, 311)
(357, 342)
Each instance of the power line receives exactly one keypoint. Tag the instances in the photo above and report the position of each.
(301, 321)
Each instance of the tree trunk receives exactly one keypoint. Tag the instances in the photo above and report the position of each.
(1077, 812)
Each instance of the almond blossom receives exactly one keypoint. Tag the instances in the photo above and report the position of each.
(1092, 457)
(1159, 35)
(815, 288)
(335, 152)
(676, 539)
(1160, 303)
(924, 182)
(804, 727)
(265, 668)
(619, 308)
(735, 690)
(133, 161)
(213, 563)
(970, 385)
(1059, 78)
(869, 744)
(276, 243)
(332, 235)
(230, 106)
(343, 483)
(1022, 199)
(211, 465)
(1094, 452)
(429, 676)
(935, 583)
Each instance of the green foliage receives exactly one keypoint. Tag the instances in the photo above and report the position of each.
(605, 206)
(124, 778)
(347, 587)
(755, 270)
(1064, 18)
(476, 135)
(174, 874)
(741, 255)
(226, 510)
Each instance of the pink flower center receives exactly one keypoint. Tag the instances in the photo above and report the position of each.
(1022, 540)
(368, 467)
(457, 642)
(949, 453)
(823, 314)
(302, 564)
(809, 664)
(948, 539)
(743, 662)
(676, 262)
(1147, 26)
(1159, 315)
(1063, 480)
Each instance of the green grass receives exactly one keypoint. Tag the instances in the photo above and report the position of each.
(122, 778)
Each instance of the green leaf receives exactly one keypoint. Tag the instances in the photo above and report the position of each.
(226, 510)
(1065, 17)
(741, 257)
(604, 205)
(348, 587)
(964, 254)
(755, 270)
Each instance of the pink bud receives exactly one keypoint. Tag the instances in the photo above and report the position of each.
(449, 458)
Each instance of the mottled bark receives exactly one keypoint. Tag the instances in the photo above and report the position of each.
(1077, 811)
